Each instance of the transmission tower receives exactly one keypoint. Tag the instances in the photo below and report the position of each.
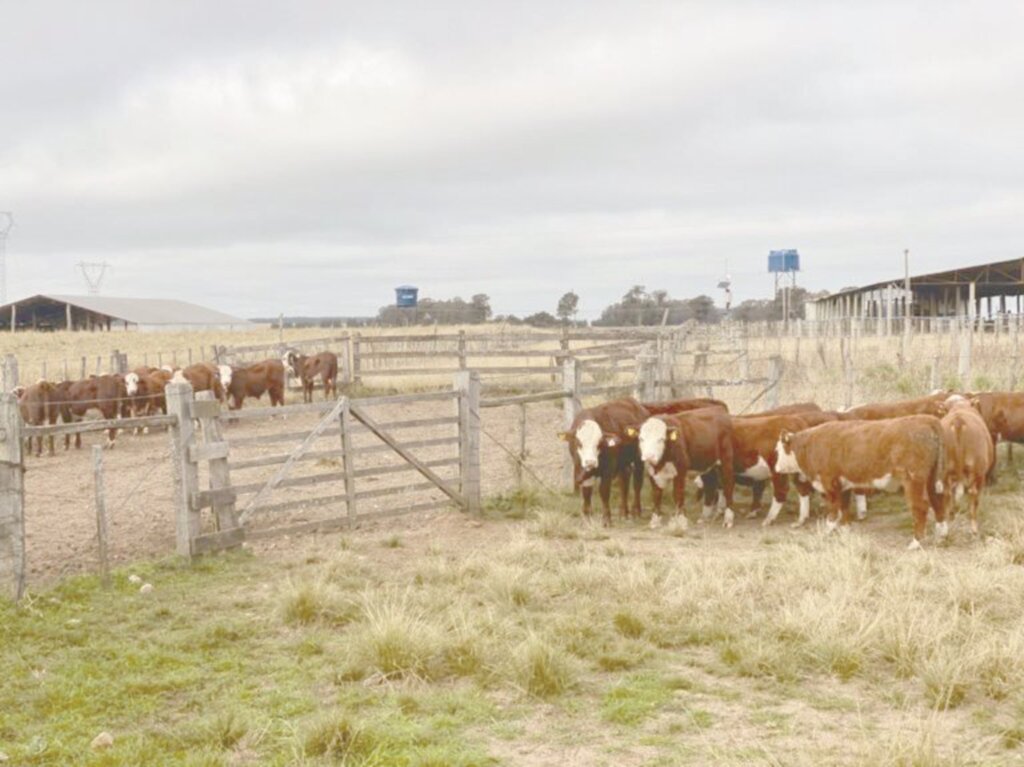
(6, 222)
(93, 272)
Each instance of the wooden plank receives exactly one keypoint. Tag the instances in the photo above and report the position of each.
(208, 452)
(85, 427)
(296, 453)
(523, 399)
(12, 500)
(363, 416)
(188, 523)
(224, 539)
(205, 408)
(407, 355)
(203, 499)
(337, 476)
(348, 459)
(334, 524)
(266, 413)
(283, 436)
(314, 455)
(310, 503)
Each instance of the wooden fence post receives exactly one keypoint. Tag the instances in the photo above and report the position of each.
(348, 462)
(84, 373)
(571, 405)
(646, 377)
(12, 500)
(462, 350)
(186, 473)
(101, 514)
(357, 377)
(964, 364)
(775, 376)
(467, 384)
(10, 372)
(216, 452)
(522, 445)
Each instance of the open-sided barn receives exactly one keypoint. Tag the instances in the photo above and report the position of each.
(60, 312)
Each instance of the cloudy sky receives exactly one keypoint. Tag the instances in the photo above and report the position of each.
(307, 157)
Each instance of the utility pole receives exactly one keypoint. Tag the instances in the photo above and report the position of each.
(908, 304)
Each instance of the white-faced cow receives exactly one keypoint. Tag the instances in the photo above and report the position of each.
(204, 376)
(695, 440)
(254, 380)
(890, 454)
(307, 368)
(601, 449)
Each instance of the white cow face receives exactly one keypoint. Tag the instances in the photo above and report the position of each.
(653, 434)
(785, 461)
(588, 444)
(178, 377)
(131, 384)
(225, 375)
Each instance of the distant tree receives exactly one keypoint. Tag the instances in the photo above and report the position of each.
(481, 303)
(541, 320)
(568, 305)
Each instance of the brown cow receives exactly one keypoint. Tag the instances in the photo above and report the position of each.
(796, 407)
(696, 440)
(754, 445)
(907, 452)
(307, 368)
(671, 407)
(601, 447)
(1003, 412)
(39, 408)
(933, 404)
(204, 376)
(106, 393)
(253, 380)
(970, 454)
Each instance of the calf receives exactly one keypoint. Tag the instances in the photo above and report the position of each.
(601, 448)
(106, 393)
(253, 380)
(907, 453)
(754, 453)
(39, 407)
(696, 440)
(307, 368)
(970, 454)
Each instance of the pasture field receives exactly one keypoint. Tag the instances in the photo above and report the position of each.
(526, 638)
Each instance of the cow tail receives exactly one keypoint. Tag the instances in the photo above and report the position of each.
(958, 436)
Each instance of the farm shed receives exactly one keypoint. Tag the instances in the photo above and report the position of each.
(56, 312)
(970, 291)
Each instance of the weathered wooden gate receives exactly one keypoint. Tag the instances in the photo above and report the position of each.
(319, 484)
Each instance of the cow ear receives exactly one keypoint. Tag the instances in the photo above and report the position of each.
(975, 402)
(631, 432)
(786, 438)
(673, 435)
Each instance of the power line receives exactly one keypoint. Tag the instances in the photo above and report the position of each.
(93, 272)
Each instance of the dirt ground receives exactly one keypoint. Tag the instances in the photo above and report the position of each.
(60, 519)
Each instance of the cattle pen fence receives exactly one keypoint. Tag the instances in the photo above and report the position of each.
(245, 475)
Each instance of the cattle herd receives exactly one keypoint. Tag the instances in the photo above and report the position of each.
(141, 392)
(936, 449)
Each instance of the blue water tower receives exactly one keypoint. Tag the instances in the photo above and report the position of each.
(406, 296)
(783, 261)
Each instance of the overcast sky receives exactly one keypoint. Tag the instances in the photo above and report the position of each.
(308, 157)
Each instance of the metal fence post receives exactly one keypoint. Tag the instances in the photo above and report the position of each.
(12, 500)
(186, 473)
(467, 384)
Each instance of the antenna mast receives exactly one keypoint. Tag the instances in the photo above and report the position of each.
(94, 272)
(6, 222)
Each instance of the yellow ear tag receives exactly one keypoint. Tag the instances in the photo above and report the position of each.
(630, 432)
(673, 435)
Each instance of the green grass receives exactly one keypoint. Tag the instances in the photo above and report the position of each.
(537, 635)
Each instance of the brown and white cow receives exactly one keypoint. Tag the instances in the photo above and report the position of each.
(253, 380)
(106, 394)
(932, 404)
(308, 368)
(602, 449)
(970, 454)
(755, 441)
(695, 440)
(889, 454)
(39, 407)
(204, 376)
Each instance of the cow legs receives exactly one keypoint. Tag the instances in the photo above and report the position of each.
(625, 475)
(804, 489)
(917, 501)
(587, 491)
(834, 498)
(638, 486)
(604, 490)
(780, 488)
(973, 498)
(862, 506)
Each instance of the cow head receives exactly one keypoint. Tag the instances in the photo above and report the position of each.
(291, 361)
(167, 368)
(225, 375)
(131, 384)
(586, 443)
(785, 458)
(654, 434)
(178, 377)
(18, 391)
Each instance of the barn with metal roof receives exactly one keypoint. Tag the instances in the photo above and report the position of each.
(61, 312)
